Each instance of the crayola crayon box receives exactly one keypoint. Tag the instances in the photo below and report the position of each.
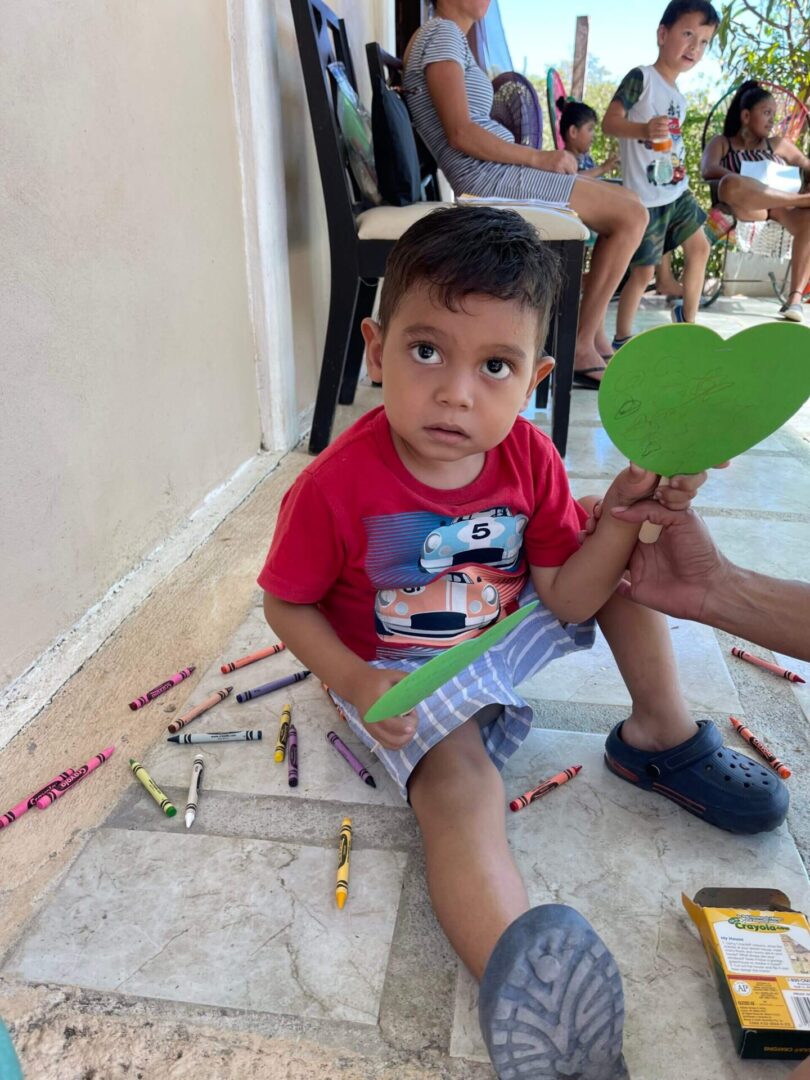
(759, 953)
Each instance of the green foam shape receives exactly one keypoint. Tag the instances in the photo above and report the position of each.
(680, 399)
(436, 672)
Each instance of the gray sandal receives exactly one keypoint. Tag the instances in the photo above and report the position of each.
(551, 1004)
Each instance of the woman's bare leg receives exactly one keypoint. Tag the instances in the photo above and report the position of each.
(620, 220)
(797, 223)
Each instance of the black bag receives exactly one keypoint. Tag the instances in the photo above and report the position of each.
(398, 172)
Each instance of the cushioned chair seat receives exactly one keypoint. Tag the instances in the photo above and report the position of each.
(390, 222)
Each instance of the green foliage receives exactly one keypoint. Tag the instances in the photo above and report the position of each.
(767, 39)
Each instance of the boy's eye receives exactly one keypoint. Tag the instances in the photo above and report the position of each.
(424, 353)
(496, 368)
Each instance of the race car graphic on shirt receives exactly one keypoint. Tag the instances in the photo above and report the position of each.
(453, 607)
(490, 537)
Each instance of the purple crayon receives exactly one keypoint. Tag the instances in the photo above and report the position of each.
(21, 807)
(156, 691)
(346, 753)
(268, 688)
(292, 757)
(57, 792)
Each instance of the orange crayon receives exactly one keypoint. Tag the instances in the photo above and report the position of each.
(544, 788)
(745, 733)
(783, 673)
(243, 661)
(334, 704)
(204, 706)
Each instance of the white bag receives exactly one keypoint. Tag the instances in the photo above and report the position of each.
(787, 178)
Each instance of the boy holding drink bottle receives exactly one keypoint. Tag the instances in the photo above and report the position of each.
(646, 115)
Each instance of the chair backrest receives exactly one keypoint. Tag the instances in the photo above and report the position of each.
(790, 120)
(517, 107)
(382, 65)
(554, 90)
(322, 40)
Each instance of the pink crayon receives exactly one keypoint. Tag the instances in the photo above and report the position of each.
(59, 790)
(156, 691)
(18, 810)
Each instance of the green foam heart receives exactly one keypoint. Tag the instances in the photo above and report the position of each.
(680, 399)
(436, 672)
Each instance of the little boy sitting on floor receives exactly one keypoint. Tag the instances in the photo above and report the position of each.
(425, 522)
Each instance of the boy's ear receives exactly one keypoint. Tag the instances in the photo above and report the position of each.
(545, 366)
(372, 335)
(662, 34)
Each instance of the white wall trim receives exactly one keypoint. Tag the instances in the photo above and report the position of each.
(257, 98)
(24, 698)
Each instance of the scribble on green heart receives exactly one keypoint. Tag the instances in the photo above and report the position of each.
(679, 399)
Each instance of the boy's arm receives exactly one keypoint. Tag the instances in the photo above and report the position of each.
(601, 170)
(308, 635)
(615, 121)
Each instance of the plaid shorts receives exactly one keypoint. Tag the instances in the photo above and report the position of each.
(668, 227)
(489, 680)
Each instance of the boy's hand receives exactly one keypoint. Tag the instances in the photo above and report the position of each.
(396, 732)
(612, 162)
(658, 128)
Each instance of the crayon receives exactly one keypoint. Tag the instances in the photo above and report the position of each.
(156, 691)
(292, 757)
(778, 766)
(216, 736)
(17, 811)
(283, 732)
(342, 884)
(204, 706)
(243, 661)
(59, 790)
(194, 789)
(544, 788)
(334, 704)
(766, 665)
(268, 688)
(141, 774)
(346, 753)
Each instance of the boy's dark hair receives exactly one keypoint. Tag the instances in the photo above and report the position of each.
(461, 250)
(748, 96)
(573, 114)
(676, 8)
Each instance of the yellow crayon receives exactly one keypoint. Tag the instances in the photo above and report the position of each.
(283, 732)
(342, 886)
(141, 774)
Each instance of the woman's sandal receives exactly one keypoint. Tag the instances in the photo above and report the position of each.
(551, 1004)
(584, 381)
(710, 780)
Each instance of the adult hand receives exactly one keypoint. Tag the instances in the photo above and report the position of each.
(555, 161)
(676, 573)
(396, 732)
(658, 128)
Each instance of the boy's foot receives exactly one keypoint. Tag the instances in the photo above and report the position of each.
(710, 780)
(551, 1004)
(619, 341)
(677, 314)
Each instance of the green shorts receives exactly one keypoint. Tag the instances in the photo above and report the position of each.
(669, 226)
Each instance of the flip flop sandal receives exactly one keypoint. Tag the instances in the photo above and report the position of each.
(710, 780)
(584, 381)
(551, 1004)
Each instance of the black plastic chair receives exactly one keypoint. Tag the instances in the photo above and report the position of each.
(360, 240)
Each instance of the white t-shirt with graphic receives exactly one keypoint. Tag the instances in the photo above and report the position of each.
(658, 178)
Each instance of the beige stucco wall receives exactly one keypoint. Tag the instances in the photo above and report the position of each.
(128, 376)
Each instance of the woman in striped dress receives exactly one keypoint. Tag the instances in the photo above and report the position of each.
(450, 98)
(746, 137)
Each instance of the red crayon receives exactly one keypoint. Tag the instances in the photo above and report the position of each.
(544, 788)
(243, 661)
(767, 665)
(778, 766)
(156, 691)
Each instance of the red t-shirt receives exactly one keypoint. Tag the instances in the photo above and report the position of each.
(396, 565)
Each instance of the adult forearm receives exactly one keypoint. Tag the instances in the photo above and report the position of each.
(768, 611)
(309, 636)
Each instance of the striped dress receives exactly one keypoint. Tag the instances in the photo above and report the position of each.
(442, 39)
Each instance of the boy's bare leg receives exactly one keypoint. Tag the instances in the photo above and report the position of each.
(476, 890)
(696, 250)
(632, 292)
(640, 642)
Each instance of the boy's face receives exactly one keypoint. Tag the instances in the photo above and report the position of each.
(453, 381)
(683, 44)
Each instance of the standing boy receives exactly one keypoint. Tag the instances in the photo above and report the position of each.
(646, 114)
